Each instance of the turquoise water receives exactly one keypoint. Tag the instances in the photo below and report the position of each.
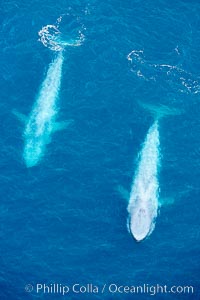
(63, 220)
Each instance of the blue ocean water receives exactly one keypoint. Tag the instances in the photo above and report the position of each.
(63, 221)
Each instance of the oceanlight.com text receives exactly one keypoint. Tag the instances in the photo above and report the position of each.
(112, 288)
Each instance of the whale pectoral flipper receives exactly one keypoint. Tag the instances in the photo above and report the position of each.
(124, 193)
(20, 116)
(62, 125)
(166, 201)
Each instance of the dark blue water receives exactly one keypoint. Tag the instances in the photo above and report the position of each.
(63, 221)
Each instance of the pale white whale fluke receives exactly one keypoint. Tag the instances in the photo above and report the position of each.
(144, 196)
(160, 111)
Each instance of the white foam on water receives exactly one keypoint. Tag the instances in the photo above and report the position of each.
(143, 202)
(42, 118)
(52, 38)
(172, 74)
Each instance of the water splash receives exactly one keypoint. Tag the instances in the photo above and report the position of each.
(171, 74)
(56, 40)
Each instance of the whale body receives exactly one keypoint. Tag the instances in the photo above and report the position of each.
(42, 120)
(143, 202)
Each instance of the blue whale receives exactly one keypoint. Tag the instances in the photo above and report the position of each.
(41, 123)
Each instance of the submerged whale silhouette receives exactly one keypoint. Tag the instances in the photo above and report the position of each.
(144, 196)
(42, 120)
(143, 202)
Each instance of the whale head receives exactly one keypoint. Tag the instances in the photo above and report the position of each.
(141, 223)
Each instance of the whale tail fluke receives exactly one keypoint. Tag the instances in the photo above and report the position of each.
(160, 111)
